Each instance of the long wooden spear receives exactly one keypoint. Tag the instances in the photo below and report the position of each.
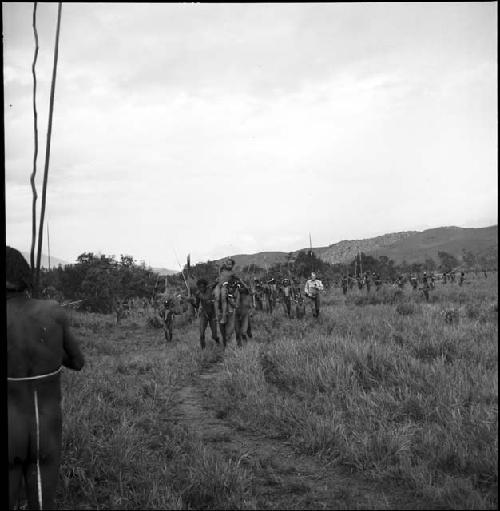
(35, 155)
(48, 241)
(182, 271)
(47, 148)
(311, 252)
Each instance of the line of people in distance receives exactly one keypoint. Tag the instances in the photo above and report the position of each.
(427, 282)
(227, 305)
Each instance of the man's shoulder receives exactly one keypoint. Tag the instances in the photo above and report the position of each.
(42, 308)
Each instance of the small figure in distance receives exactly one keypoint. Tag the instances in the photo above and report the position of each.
(413, 282)
(257, 294)
(39, 343)
(351, 281)
(425, 286)
(401, 282)
(287, 293)
(300, 307)
(345, 284)
(360, 282)
(272, 294)
(462, 278)
(167, 315)
(243, 313)
(433, 281)
(368, 282)
(226, 314)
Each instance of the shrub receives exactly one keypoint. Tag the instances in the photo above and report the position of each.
(405, 308)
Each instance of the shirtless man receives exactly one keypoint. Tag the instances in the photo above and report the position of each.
(243, 312)
(204, 302)
(39, 343)
(287, 293)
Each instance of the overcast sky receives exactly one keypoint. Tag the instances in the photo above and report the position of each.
(219, 129)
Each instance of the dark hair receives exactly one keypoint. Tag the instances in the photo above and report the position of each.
(201, 282)
(17, 270)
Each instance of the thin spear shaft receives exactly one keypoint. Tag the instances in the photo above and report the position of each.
(35, 155)
(48, 241)
(311, 251)
(47, 147)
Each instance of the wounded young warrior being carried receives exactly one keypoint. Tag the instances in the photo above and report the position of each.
(225, 305)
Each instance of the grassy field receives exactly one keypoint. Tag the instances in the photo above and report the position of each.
(383, 386)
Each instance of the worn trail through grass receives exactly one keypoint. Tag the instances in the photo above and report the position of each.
(282, 479)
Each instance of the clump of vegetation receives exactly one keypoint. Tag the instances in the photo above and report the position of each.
(154, 321)
(386, 295)
(405, 309)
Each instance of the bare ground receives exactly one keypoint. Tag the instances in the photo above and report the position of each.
(283, 479)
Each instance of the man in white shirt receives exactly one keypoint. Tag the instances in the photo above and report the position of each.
(311, 290)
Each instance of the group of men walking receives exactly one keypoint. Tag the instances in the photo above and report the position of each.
(364, 281)
(227, 305)
(427, 282)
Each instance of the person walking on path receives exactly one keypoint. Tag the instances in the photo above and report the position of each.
(243, 313)
(311, 290)
(204, 301)
(286, 291)
(345, 284)
(368, 282)
(425, 286)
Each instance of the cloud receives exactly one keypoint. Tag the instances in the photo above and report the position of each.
(214, 126)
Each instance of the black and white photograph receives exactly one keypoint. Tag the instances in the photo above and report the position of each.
(251, 255)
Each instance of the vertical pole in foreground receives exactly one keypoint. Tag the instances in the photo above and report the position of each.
(47, 148)
(35, 155)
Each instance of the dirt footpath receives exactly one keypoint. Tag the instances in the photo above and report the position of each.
(282, 478)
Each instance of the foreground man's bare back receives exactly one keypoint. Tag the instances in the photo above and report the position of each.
(39, 342)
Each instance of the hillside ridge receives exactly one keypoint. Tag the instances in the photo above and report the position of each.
(409, 246)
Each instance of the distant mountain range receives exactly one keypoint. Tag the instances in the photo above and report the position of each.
(164, 271)
(412, 246)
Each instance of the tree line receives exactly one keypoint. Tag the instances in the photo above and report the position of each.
(100, 281)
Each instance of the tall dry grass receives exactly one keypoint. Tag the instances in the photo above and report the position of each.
(382, 385)
(122, 447)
